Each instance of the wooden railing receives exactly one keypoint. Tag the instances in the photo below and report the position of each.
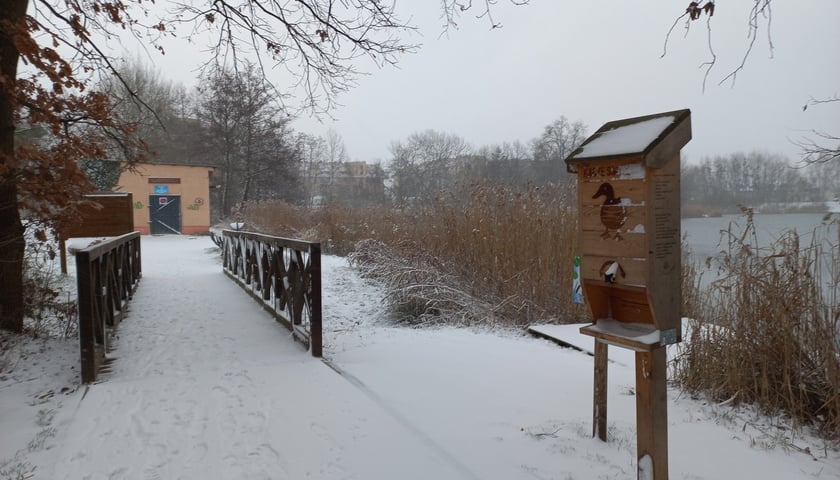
(284, 275)
(106, 276)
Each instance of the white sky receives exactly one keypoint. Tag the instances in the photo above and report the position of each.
(593, 61)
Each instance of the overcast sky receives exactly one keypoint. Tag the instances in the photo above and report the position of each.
(593, 61)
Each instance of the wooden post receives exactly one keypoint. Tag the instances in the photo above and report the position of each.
(62, 247)
(599, 410)
(315, 328)
(87, 342)
(651, 415)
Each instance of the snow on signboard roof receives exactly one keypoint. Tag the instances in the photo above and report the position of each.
(633, 138)
(656, 137)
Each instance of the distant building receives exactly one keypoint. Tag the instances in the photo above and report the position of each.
(350, 183)
(169, 199)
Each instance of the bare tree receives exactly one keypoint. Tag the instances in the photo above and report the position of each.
(311, 152)
(335, 156)
(247, 137)
(506, 163)
(421, 166)
(557, 141)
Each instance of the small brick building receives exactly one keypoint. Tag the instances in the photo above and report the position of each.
(169, 199)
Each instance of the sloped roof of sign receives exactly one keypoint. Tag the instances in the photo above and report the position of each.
(656, 138)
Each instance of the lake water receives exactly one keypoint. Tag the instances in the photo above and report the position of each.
(706, 237)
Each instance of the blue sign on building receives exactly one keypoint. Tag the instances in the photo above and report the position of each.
(161, 189)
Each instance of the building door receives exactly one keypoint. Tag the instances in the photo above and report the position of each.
(165, 214)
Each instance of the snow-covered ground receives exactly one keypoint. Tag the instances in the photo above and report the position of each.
(205, 385)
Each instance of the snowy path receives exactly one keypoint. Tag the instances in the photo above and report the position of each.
(206, 385)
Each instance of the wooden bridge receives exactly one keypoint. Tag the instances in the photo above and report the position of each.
(283, 275)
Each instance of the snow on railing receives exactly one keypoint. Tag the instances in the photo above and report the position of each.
(107, 274)
(284, 275)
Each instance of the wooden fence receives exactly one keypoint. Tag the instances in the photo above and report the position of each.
(100, 215)
(106, 276)
(284, 275)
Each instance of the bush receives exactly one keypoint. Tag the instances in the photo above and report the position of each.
(49, 305)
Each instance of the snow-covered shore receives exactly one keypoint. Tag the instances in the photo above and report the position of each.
(206, 385)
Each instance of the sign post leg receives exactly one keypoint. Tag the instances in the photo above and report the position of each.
(599, 411)
(651, 415)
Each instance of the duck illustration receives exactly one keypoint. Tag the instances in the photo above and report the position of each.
(613, 213)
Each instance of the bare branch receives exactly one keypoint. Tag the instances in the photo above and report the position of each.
(761, 12)
(819, 101)
(315, 41)
(671, 30)
(761, 8)
(710, 63)
(452, 10)
(84, 46)
(819, 150)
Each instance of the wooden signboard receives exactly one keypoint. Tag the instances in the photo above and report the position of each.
(628, 198)
(629, 239)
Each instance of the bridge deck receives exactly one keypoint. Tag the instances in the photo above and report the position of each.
(205, 384)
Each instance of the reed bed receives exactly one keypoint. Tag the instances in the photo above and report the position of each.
(767, 330)
(509, 250)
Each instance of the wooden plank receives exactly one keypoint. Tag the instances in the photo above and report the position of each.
(597, 298)
(665, 244)
(599, 403)
(590, 218)
(617, 340)
(592, 267)
(538, 331)
(633, 245)
(614, 168)
(652, 413)
(168, 180)
(624, 303)
(630, 192)
(631, 306)
(672, 143)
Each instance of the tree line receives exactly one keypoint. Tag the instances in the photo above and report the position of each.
(233, 122)
(721, 183)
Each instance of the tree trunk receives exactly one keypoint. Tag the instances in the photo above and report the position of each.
(12, 242)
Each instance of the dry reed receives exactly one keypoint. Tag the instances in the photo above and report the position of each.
(767, 331)
(511, 250)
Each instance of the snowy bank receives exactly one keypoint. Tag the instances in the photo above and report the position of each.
(206, 385)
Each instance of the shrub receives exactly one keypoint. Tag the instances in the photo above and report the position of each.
(49, 303)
